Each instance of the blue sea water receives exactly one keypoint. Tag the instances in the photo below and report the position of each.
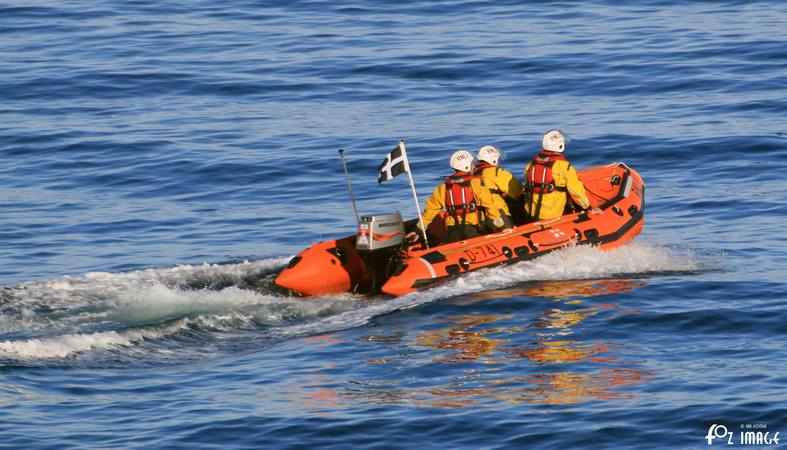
(160, 162)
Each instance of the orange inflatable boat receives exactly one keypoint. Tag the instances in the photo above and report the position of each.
(377, 259)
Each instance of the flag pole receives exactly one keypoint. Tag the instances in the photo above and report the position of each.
(415, 195)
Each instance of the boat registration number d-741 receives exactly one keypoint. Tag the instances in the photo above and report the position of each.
(482, 253)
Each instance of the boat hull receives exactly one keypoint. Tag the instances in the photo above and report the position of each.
(335, 266)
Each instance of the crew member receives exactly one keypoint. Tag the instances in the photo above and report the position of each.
(505, 188)
(550, 179)
(466, 201)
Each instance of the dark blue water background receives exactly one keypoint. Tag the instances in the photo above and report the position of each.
(160, 163)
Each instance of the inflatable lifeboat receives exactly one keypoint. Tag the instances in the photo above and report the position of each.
(378, 260)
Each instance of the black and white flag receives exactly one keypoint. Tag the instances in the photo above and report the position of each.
(395, 163)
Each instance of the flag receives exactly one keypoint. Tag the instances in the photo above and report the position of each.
(395, 163)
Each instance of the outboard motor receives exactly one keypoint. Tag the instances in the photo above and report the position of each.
(379, 242)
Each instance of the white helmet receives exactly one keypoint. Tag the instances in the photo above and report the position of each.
(462, 161)
(489, 154)
(554, 141)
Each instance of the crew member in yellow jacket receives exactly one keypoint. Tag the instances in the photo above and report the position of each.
(506, 189)
(468, 204)
(550, 179)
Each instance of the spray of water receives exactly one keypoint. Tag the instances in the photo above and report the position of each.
(71, 317)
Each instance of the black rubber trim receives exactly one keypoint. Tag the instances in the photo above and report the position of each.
(295, 260)
(434, 257)
(522, 251)
(339, 253)
(582, 217)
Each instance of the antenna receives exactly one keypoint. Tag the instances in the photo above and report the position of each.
(349, 185)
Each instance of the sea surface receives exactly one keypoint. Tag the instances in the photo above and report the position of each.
(160, 162)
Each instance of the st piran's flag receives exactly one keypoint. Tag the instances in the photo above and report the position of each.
(394, 164)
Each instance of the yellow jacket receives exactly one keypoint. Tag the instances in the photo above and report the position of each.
(501, 183)
(483, 199)
(552, 203)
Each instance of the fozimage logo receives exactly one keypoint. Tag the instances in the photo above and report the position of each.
(750, 434)
(718, 432)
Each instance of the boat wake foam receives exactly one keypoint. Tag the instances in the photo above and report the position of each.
(182, 309)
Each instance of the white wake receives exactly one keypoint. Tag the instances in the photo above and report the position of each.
(70, 316)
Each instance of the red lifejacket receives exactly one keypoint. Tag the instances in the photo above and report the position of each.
(459, 198)
(539, 178)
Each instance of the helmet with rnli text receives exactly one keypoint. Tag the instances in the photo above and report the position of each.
(462, 161)
(554, 141)
(489, 154)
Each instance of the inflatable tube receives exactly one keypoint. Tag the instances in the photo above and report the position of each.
(336, 266)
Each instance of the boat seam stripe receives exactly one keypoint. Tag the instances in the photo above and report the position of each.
(429, 266)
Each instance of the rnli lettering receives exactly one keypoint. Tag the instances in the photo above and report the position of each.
(482, 253)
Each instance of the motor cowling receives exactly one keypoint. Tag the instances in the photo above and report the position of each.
(379, 242)
(378, 232)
